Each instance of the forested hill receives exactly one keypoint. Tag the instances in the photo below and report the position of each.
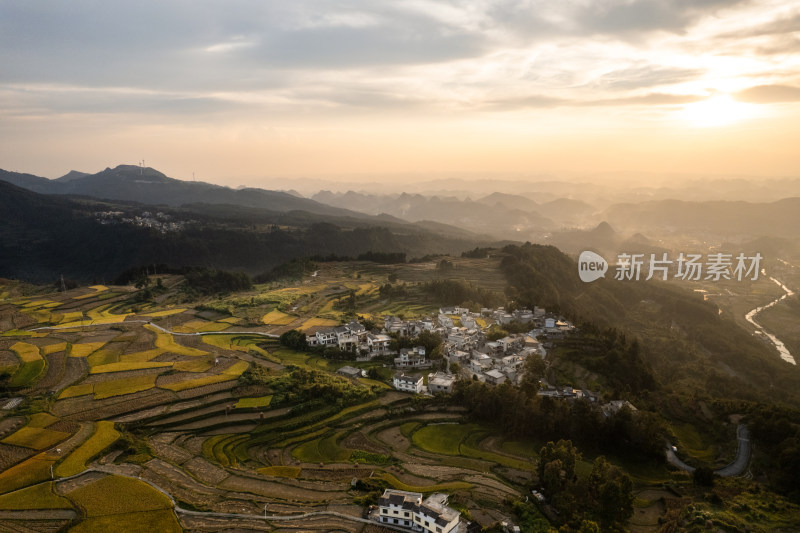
(43, 237)
(687, 343)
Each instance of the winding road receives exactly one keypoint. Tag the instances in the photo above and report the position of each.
(735, 468)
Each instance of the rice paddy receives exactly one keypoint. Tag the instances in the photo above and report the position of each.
(186, 422)
(278, 318)
(75, 463)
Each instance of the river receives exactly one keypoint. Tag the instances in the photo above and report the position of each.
(751, 317)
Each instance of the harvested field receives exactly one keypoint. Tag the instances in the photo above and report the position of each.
(56, 366)
(206, 472)
(11, 455)
(283, 492)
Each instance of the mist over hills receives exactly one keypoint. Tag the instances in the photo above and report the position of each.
(45, 236)
(580, 219)
(149, 186)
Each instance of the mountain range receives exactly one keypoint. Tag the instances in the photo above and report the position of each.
(43, 236)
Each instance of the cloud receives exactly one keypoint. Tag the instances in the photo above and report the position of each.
(540, 101)
(768, 94)
(646, 76)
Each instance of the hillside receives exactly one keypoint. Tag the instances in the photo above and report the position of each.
(685, 340)
(45, 236)
(149, 186)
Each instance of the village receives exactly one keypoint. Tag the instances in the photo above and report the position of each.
(465, 349)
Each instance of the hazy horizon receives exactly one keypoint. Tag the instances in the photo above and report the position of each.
(250, 92)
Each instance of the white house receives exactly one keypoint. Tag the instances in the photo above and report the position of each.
(408, 383)
(411, 358)
(406, 509)
(434, 516)
(397, 507)
(378, 344)
(441, 382)
(495, 376)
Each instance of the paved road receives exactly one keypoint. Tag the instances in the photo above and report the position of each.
(739, 465)
(736, 468)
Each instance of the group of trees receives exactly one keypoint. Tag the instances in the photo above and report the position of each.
(605, 498)
(520, 413)
(212, 281)
(776, 431)
(454, 292)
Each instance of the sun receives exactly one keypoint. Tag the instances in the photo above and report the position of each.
(718, 110)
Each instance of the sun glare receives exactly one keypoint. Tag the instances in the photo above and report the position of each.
(719, 110)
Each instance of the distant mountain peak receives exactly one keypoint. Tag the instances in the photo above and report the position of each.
(73, 175)
(604, 229)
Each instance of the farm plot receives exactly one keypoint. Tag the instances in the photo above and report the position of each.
(323, 450)
(85, 349)
(425, 489)
(35, 438)
(32, 366)
(278, 318)
(232, 372)
(319, 322)
(196, 326)
(260, 401)
(39, 496)
(103, 437)
(111, 387)
(442, 438)
(281, 471)
(99, 316)
(163, 313)
(116, 503)
(28, 472)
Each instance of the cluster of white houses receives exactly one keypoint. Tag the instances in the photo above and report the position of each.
(463, 333)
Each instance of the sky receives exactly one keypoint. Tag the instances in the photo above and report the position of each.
(237, 91)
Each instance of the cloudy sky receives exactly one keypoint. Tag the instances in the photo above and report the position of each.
(235, 90)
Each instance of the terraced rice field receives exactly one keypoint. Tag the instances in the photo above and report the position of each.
(188, 425)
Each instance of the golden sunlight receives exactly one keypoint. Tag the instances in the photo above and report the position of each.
(718, 110)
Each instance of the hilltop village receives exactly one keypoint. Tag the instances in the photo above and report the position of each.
(466, 349)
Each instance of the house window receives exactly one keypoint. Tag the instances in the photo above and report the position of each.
(385, 511)
(395, 511)
(438, 530)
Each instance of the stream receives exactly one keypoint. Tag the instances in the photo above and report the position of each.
(784, 353)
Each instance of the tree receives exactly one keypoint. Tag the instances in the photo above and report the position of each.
(142, 281)
(557, 465)
(533, 370)
(610, 494)
(295, 340)
(616, 501)
(432, 343)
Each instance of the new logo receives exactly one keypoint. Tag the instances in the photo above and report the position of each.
(591, 266)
